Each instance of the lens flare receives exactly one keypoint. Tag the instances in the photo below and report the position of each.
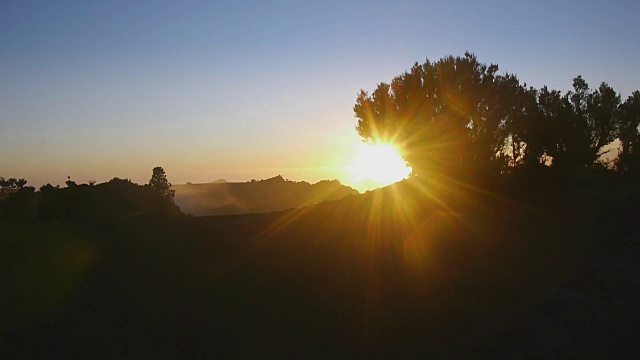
(377, 165)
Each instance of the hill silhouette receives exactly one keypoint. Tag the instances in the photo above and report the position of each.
(273, 194)
(411, 270)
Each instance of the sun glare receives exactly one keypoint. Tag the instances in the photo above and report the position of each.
(377, 165)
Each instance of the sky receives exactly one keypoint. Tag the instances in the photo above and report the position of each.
(246, 90)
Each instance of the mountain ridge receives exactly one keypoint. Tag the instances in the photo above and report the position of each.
(255, 196)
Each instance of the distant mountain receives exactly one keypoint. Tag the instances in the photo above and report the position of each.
(274, 194)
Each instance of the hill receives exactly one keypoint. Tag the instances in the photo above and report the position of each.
(274, 194)
(414, 270)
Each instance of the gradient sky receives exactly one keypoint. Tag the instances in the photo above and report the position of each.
(252, 89)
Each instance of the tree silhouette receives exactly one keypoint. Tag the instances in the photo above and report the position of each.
(628, 161)
(160, 184)
(449, 116)
(11, 184)
(458, 117)
(15, 198)
(587, 125)
(70, 183)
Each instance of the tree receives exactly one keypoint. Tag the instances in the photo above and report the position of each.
(449, 117)
(628, 161)
(586, 122)
(160, 184)
(15, 198)
(11, 184)
(516, 110)
(458, 117)
(70, 183)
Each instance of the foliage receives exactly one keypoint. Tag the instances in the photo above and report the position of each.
(11, 184)
(628, 161)
(441, 113)
(86, 202)
(459, 117)
(14, 197)
(160, 184)
(70, 183)
(585, 121)
(18, 203)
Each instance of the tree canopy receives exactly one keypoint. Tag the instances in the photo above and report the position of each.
(11, 183)
(160, 184)
(628, 161)
(459, 117)
(87, 202)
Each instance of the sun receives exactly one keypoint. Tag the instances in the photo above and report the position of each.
(377, 165)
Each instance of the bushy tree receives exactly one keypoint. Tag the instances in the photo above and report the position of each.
(457, 116)
(449, 116)
(160, 184)
(586, 122)
(628, 161)
(16, 199)
(11, 184)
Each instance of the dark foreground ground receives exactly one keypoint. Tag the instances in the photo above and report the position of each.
(455, 276)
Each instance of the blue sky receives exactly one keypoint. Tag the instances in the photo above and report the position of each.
(252, 89)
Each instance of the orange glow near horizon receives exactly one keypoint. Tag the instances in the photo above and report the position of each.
(377, 165)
